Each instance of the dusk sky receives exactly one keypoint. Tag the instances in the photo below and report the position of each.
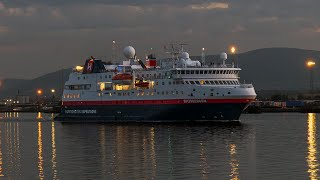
(42, 36)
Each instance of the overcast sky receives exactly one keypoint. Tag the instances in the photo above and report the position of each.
(42, 36)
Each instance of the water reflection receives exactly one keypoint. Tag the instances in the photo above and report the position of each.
(40, 156)
(54, 154)
(12, 142)
(11, 114)
(152, 153)
(234, 163)
(39, 115)
(1, 160)
(204, 161)
(312, 147)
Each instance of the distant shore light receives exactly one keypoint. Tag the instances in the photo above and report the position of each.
(39, 91)
(233, 49)
(311, 63)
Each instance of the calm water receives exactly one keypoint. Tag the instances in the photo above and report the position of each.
(264, 146)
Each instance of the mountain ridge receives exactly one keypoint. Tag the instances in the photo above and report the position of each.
(267, 68)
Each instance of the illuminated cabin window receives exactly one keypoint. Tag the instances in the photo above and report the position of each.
(152, 93)
(202, 82)
(110, 94)
(142, 93)
(120, 87)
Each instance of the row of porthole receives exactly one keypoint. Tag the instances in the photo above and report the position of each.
(71, 96)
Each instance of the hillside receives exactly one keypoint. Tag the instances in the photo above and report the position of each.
(267, 69)
(276, 68)
(54, 80)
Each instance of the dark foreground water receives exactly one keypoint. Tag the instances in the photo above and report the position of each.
(264, 146)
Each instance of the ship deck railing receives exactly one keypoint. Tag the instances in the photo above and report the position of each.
(246, 86)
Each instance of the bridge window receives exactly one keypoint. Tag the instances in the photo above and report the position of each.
(212, 82)
(207, 82)
(197, 82)
(191, 82)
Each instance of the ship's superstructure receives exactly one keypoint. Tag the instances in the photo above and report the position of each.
(167, 90)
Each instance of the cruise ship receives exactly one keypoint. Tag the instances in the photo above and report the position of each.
(177, 89)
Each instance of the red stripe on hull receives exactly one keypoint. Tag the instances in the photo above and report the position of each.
(144, 102)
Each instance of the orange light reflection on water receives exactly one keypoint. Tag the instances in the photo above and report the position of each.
(54, 154)
(1, 160)
(312, 147)
(40, 157)
(234, 175)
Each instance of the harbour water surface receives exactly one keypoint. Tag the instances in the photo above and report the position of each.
(263, 146)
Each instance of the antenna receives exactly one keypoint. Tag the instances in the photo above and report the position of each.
(175, 49)
(203, 57)
(113, 55)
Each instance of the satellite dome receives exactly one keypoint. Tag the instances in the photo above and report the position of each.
(129, 52)
(185, 55)
(223, 56)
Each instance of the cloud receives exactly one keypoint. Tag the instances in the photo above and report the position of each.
(316, 30)
(209, 6)
(266, 19)
(238, 28)
(4, 29)
(17, 11)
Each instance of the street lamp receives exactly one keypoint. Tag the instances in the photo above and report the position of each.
(39, 93)
(203, 57)
(53, 99)
(233, 52)
(310, 64)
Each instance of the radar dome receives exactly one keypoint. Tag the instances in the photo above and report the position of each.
(129, 52)
(223, 56)
(185, 55)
